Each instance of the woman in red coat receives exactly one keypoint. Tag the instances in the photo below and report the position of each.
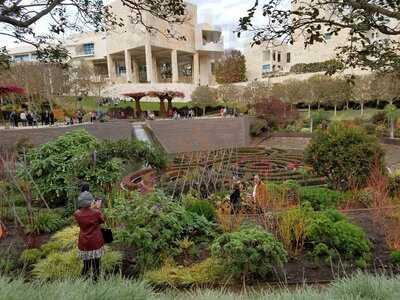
(90, 242)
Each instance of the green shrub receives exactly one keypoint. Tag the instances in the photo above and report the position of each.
(31, 256)
(320, 198)
(395, 257)
(46, 222)
(59, 165)
(330, 234)
(60, 257)
(257, 127)
(379, 118)
(200, 207)
(209, 271)
(249, 251)
(344, 155)
(394, 184)
(328, 66)
(155, 226)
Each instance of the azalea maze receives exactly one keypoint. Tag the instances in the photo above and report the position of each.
(209, 172)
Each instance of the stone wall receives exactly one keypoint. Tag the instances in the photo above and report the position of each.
(110, 131)
(201, 134)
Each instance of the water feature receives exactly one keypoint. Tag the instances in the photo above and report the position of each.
(140, 133)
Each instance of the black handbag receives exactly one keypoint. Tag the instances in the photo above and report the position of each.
(107, 235)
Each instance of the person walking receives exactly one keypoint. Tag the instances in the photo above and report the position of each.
(90, 242)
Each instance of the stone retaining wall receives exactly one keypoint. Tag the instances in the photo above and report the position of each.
(114, 130)
(201, 134)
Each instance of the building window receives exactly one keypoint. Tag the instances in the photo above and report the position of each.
(279, 57)
(288, 57)
(267, 55)
(274, 56)
(213, 65)
(88, 48)
(265, 69)
(24, 57)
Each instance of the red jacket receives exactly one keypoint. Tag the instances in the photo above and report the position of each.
(90, 236)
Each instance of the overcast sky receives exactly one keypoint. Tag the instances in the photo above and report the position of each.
(225, 13)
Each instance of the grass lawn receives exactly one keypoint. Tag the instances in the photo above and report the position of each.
(343, 115)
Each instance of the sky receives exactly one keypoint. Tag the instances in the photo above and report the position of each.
(225, 13)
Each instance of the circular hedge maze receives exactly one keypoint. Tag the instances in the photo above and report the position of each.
(210, 172)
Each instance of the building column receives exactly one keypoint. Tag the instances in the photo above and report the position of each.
(196, 69)
(128, 66)
(149, 63)
(111, 67)
(174, 66)
(155, 70)
(135, 71)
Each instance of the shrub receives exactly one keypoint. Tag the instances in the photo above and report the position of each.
(394, 184)
(344, 155)
(276, 112)
(31, 256)
(320, 198)
(60, 258)
(329, 66)
(57, 166)
(379, 118)
(46, 222)
(258, 127)
(249, 251)
(200, 207)
(395, 257)
(208, 271)
(330, 234)
(155, 226)
(292, 228)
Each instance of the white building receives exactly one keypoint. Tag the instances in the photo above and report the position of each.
(131, 58)
(264, 60)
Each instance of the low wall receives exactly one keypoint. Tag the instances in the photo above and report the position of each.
(201, 134)
(113, 130)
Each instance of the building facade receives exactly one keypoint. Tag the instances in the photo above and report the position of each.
(265, 60)
(132, 55)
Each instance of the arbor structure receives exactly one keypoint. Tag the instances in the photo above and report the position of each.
(204, 96)
(165, 95)
(317, 20)
(18, 20)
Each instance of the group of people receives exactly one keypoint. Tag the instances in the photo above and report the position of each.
(258, 197)
(30, 118)
(77, 118)
(176, 115)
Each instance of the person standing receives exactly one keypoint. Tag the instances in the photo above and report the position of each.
(259, 194)
(90, 242)
(22, 116)
(12, 117)
(235, 197)
(51, 117)
(29, 118)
